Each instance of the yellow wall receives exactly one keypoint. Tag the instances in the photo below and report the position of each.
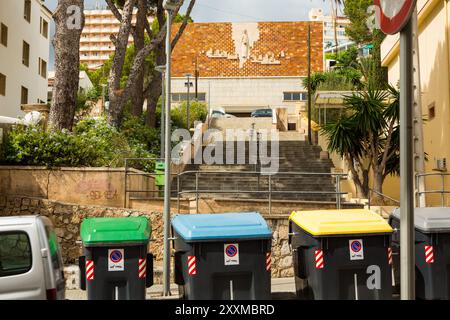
(435, 82)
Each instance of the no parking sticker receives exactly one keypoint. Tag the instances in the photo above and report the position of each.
(231, 254)
(356, 249)
(116, 260)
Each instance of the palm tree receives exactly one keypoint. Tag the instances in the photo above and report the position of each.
(366, 136)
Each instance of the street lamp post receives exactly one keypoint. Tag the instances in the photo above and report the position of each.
(188, 116)
(162, 70)
(169, 6)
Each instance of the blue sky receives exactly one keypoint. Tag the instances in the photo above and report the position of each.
(234, 10)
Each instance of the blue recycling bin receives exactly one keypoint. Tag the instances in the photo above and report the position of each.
(222, 256)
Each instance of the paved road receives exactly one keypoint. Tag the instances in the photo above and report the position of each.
(282, 289)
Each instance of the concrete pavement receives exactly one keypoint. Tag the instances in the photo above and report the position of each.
(282, 289)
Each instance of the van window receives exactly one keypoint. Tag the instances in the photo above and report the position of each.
(15, 253)
(54, 248)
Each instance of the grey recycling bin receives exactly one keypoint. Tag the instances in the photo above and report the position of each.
(432, 250)
(222, 256)
(341, 255)
(116, 265)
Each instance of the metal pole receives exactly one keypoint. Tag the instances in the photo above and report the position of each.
(443, 191)
(126, 184)
(338, 192)
(188, 122)
(309, 86)
(419, 154)
(163, 108)
(270, 194)
(196, 192)
(407, 256)
(166, 256)
(178, 193)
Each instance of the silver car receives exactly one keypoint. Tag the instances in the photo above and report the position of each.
(31, 266)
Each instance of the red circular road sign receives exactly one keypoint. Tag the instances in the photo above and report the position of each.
(394, 14)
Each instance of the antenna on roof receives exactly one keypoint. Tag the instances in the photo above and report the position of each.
(97, 5)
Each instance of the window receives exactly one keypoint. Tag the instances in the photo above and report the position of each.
(15, 253)
(2, 85)
(42, 68)
(27, 10)
(4, 35)
(179, 97)
(431, 111)
(295, 96)
(26, 54)
(55, 253)
(44, 28)
(24, 96)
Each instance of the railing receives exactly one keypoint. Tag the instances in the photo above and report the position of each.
(381, 195)
(269, 192)
(129, 173)
(443, 191)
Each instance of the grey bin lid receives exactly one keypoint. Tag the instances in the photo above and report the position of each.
(429, 220)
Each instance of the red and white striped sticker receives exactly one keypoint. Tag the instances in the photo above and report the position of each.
(89, 270)
(390, 255)
(429, 255)
(142, 268)
(192, 265)
(268, 261)
(319, 259)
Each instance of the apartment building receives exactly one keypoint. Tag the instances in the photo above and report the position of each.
(24, 54)
(96, 46)
(317, 14)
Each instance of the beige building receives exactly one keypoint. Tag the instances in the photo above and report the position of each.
(24, 54)
(96, 46)
(434, 47)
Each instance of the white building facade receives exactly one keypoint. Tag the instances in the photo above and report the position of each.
(24, 54)
(244, 95)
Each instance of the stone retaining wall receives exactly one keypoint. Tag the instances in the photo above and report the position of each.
(66, 219)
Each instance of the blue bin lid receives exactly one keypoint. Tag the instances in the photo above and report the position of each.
(197, 227)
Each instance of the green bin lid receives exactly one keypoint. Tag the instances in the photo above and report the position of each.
(96, 231)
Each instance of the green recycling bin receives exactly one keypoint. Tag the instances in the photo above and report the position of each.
(116, 264)
(160, 169)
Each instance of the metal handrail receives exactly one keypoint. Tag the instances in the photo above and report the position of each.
(144, 174)
(381, 195)
(443, 191)
(270, 191)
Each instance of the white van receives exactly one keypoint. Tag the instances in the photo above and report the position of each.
(31, 266)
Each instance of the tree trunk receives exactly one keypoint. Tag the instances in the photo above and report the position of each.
(69, 21)
(378, 185)
(155, 86)
(154, 89)
(137, 91)
(117, 98)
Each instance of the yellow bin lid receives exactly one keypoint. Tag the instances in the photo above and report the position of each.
(340, 222)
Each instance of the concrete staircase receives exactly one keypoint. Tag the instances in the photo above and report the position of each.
(294, 156)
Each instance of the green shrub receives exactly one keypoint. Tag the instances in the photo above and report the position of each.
(198, 112)
(92, 143)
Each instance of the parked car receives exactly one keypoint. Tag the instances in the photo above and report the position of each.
(31, 266)
(262, 113)
(220, 113)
